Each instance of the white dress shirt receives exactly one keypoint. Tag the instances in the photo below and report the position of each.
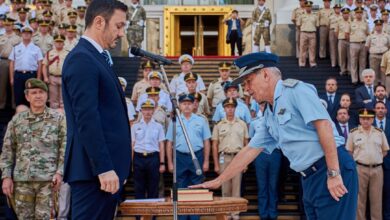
(147, 136)
(26, 57)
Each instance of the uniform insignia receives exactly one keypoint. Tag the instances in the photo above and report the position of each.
(163, 107)
(290, 82)
(378, 129)
(353, 129)
(282, 111)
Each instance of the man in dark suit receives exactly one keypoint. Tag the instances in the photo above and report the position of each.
(98, 152)
(381, 95)
(383, 122)
(343, 123)
(331, 97)
(364, 95)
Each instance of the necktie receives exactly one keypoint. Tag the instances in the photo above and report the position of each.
(370, 92)
(330, 99)
(345, 132)
(107, 57)
(381, 125)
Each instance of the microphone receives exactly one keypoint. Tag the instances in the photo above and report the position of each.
(157, 58)
(198, 171)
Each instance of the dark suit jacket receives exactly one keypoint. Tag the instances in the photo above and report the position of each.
(332, 109)
(386, 160)
(387, 106)
(98, 132)
(361, 94)
(351, 126)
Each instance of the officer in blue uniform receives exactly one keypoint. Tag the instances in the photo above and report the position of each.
(267, 174)
(148, 138)
(242, 111)
(199, 135)
(295, 119)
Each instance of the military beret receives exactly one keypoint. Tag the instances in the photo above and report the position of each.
(197, 96)
(190, 76)
(337, 6)
(345, 10)
(366, 113)
(252, 62)
(148, 64)
(229, 101)
(71, 28)
(186, 58)
(122, 81)
(186, 98)
(27, 29)
(308, 4)
(148, 103)
(34, 83)
(23, 10)
(153, 90)
(378, 22)
(47, 13)
(59, 38)
(229, 85)
(62, 26)
(359, 10)
(224, 66)
(155, 75)
(81, 8)
(72, 14)
(9, 21)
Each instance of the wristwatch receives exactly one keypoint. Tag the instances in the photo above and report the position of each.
(332, 173)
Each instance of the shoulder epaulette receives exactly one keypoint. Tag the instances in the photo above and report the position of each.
(378, 129)
(353, 129)
(214, 81)
(290, 82)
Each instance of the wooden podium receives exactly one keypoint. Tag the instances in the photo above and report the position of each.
(219, 207)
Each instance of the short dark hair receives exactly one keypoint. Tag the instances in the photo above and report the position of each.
(235, 11)
(380, 102)
(104, 8)
(342, 108)
(379, 85)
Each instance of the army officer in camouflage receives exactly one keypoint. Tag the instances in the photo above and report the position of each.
(33, 155)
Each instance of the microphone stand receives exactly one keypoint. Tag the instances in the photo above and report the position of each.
(176, 117)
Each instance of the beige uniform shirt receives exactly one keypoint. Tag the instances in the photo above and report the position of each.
(13, 15)
(216, 93)
(308, 22)
(80, 26)
(230, 135)
(358, 31)
(385, 63)
(334, 20)
(324, 16)
(69, 45)
(342, 28)
(297, 13)
(203, 106)
(139, 89)
(54, 60)
(378, 43)
(45, 42)
(64, 14)
(367, 148)
(7, 42)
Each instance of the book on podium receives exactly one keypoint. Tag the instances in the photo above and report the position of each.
(193, 195)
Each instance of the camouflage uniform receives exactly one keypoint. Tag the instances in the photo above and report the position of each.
(135, 31)
(262, 19)
(33, 152)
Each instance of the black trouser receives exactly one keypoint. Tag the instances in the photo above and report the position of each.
(146, 175)
(234, 39)
(20, 79)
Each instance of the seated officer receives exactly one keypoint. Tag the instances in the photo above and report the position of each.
(267, 174)
(154, 80)
(191, 83)
(199, 136)
(242, 111)
(147, 137)
(230, 135)
(368, 145)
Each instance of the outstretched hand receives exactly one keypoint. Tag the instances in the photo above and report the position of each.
(213, 184)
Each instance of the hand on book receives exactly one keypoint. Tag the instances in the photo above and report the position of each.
(213, 184)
